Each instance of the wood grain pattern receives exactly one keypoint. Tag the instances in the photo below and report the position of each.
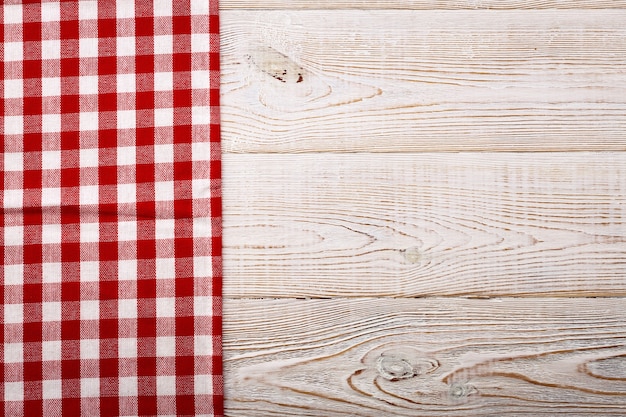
(425, 357)
(421, 4)
(347, 81)
(374, 97)
(425, 224)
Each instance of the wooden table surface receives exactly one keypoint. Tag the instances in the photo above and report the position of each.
(424, 207)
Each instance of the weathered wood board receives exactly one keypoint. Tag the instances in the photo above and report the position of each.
(499, 224)
(426, 357)
(452, 80)
(422, 4)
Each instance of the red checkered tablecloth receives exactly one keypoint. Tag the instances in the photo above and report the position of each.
(111, 227)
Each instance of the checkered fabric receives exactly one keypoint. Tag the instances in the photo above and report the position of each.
(111, 228)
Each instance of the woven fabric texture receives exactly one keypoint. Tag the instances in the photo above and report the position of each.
(111, 209)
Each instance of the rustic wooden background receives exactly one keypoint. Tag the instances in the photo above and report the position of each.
(424, 207)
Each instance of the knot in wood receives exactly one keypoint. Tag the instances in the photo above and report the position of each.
(394, 368)
(412, 255)
(460, 390)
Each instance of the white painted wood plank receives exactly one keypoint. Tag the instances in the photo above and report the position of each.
(425, 357)
(405, 225)
(399, 81)
(421, 4)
